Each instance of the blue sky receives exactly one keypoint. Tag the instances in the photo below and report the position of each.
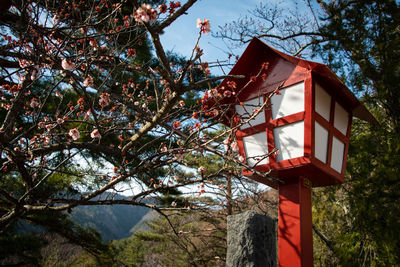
(181, 35)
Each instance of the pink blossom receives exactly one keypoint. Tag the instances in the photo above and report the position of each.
(235, 147)
(23, 63)
(199, 23)
(93, 43)
(49, 127)
(34, 103)
(213, 92)
(46, 140)
(227, 141)
(204, 25)
(173, 204)
(104, 100)
(88, 81)
(145, 13)
(201, 169)
(162, 8)
(227, 93)
(95, 134)
(182, 103)
(67, 65)
(42, 124)
(74, 133)
(60, 121)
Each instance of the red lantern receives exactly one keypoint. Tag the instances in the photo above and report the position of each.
(307, 120)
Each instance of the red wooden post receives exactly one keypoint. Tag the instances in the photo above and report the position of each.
(295, 224)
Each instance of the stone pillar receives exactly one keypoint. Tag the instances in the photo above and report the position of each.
(251, 240)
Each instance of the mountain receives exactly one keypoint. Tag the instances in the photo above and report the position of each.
(113, 222)
(141, 225)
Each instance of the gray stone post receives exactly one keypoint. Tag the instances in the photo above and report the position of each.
(251, 240)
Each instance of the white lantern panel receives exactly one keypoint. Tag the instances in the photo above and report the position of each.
(289, 139)
(246, 111)
(290, 100)
(256, 148)
(321, 142)
(322, 102)
(341, 118)
(337, 154)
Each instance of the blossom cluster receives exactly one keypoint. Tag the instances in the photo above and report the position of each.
(171, 9)
(216, 98)
(145, 13)
(104, 100)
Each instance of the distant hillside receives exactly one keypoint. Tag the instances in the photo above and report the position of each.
(113, 222)
(142, 224)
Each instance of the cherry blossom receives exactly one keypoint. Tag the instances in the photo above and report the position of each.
(213, 92)
(88, 81)
(231, 84)
(173, 6)
(145, 13)
(164, 148)
(203, 25)
(74, 133)
(235, 147)
(95, 134)
(49, 127)
(34, 103)
(227, 141)
(46, 140)
(227, 93)
(42, 124)
(162, 8)
(67, 65)
(104, 100)
(133, 99)
(23, 63)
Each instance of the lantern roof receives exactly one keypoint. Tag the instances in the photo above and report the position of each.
(283, 67)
